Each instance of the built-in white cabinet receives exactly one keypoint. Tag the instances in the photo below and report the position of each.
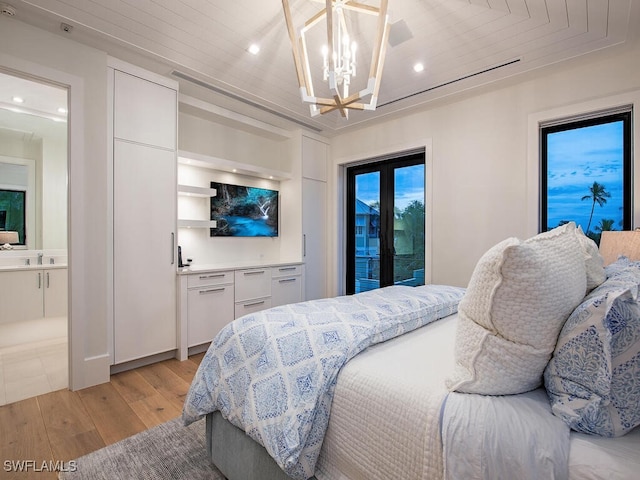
(55, 287)
(286, 284)
(144, 214)
(314, 217)
(211, 298)
(253, 290)
(210, 305)
(32, 293)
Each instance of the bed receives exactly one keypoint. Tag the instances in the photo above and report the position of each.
(397, 406)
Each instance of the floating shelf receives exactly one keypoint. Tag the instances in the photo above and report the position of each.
(197, 224)
(191, 191)
(214, 163)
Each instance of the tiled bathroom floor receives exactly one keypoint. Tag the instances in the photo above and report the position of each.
(33, 359)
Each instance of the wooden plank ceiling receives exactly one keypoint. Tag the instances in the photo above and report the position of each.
(462, 44)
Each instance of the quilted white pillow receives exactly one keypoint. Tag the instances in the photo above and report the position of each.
(518, 298)
(594, 262)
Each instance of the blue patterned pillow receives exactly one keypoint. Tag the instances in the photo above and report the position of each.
(619, 266)
(593, 379)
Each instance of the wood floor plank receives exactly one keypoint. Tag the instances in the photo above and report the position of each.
(70, 429)
(197, 357)
(113, 417)
(155, 410)
(150, 406)
(173, 387)
(132, 386)
(23, 441)
(185, 370)
(64, 425)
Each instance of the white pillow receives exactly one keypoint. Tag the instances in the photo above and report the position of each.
(518, 298)
(594, 262)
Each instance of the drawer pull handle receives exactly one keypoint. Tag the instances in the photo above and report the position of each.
(258, 272)
(204, 277)
(287, 280)
(211, 290)
(253, 304)
(286, 269)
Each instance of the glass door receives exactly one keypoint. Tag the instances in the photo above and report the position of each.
(386, 224)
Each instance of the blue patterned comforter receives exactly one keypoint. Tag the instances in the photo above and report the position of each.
(273, 373)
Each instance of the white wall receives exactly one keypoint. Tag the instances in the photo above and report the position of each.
(27, 49)
(205, 137)
(480, 154)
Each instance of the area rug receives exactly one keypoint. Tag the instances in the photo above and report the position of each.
(167, 451)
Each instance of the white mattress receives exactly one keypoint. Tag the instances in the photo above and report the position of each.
(596, 458)
(384, 419)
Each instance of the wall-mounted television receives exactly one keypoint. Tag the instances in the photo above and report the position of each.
(241, 211)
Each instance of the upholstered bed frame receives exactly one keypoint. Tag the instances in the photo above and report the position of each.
(236, 454)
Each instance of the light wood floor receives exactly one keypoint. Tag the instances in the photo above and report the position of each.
(64, 425)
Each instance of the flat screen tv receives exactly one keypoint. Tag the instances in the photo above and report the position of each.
(241, 211)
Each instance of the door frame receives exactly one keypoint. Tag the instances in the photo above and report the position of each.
(75, 210)
(386, 166)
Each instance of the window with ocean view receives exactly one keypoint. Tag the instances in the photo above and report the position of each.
(586, 173)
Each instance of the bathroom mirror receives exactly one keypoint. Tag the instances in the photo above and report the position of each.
(33, 162)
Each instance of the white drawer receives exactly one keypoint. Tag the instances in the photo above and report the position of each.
(285, 290)
(209, 278)
(286, 270)
(210, 309)
(252, 306)
(251, 284)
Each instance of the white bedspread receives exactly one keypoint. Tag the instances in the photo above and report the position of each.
(512, 436)
(386, 408)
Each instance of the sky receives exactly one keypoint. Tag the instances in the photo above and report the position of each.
(577, 158)
(409, 186)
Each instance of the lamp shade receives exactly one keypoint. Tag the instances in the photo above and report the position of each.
(8, 236)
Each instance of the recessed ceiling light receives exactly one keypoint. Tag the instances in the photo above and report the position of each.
(418, 67)
(18, 99)
(253, 49)
(62, 110)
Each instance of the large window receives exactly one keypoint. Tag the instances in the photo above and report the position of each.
(586, 173)
(386, 224)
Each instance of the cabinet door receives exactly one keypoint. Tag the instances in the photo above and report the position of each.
(210, 309)
(286, 290)
(254, 283)
(55, 292)
(144, 111)
(20, 295)
(314, 204)
(252, 306)
(144, 251)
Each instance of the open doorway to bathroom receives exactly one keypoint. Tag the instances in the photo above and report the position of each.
(34, 136)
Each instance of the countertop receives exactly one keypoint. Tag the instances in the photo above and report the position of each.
(218, 267)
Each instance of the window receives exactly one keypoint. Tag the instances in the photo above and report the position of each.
(586, 173)
(386, 223)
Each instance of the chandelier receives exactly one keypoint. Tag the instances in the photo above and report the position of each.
(339, 62)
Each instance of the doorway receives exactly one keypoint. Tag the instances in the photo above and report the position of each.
(386, 223)
(34, 340)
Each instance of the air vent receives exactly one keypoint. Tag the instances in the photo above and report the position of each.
(465, 77)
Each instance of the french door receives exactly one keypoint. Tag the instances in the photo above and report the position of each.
(386, 224)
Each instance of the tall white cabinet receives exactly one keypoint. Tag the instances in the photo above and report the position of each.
(314, 216)
(144, 214)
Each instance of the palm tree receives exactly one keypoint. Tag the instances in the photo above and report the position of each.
(606, 225)
(598, 195)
